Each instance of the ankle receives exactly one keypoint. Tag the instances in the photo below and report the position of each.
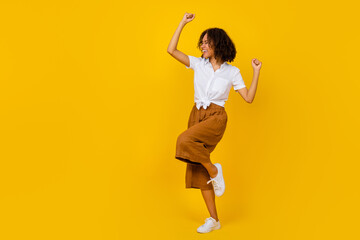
(214, 172)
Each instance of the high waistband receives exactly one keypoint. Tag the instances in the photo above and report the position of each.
(211, 106)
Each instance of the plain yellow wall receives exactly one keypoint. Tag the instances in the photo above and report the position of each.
(91, 105)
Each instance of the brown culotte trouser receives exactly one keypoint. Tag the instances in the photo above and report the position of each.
(205, 129)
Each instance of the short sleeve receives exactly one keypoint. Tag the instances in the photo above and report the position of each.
(193, 62)
(238, 81)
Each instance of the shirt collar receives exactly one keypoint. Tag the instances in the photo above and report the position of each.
(207, 61)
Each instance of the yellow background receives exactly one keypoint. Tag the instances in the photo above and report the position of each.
(91, 105)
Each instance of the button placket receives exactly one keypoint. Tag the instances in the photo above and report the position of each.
(209, 84)
(211, 70)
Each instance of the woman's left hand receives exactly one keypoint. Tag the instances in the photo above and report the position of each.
(256, 64)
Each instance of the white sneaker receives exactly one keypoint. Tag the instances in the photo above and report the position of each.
(209, 225)
(218, 181)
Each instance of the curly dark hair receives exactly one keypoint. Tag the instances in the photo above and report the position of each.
(223, 47)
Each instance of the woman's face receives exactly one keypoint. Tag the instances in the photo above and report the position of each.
(206, 48)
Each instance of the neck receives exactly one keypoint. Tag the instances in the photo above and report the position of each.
(213, 61)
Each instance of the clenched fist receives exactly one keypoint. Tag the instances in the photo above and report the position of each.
(256, 64)
(188, 17)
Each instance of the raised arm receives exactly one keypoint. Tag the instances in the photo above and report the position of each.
(249, 95)
(172, 48)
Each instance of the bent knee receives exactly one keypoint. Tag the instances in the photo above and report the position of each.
(183, 140)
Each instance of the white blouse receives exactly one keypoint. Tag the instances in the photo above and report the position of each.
(213, 87)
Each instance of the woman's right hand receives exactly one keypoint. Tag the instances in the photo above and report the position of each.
(188, 17)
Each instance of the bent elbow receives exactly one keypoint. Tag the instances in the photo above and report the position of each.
(249, 100)
(170, 51)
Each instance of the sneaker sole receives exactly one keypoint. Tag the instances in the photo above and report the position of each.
(215, 228)
(220, 167)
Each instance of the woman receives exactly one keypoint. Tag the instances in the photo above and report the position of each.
(213, 79)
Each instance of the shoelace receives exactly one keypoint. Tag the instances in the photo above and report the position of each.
(215, 183)
(208, 221)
